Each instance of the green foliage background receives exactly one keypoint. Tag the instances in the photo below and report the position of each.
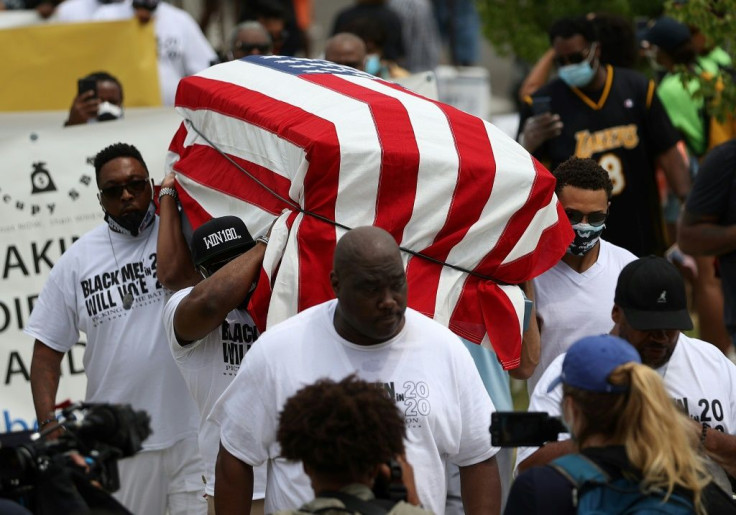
(520, 26)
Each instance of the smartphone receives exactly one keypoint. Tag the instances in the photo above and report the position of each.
(541, 105)
(524, 428)
(86, 85)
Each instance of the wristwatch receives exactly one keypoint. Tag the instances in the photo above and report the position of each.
(262, 239)
(167, 191)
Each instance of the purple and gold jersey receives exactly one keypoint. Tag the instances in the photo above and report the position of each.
(624, 129)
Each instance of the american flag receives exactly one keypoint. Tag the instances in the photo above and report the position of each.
(313, 143)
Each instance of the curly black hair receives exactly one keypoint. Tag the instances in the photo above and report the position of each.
(585, 174)
(568, 27)
(343, 428)
(114, 151)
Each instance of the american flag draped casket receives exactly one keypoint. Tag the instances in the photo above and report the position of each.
(325, 148)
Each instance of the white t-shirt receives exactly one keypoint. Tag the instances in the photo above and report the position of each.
(571, 305)
(209, 365)
(425, 369)
(182, 48)
(698, 377)
(126, 359)
(76, 10)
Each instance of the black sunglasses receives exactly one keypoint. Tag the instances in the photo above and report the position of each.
(148, 6)
(595, 219)
(248, 48)
(575, 58)
(134, 187)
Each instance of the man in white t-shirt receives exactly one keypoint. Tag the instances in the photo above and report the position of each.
(368, 331)
(650, 311)
(208, 327)
(106, 286)
(574, 298)
(182, 48)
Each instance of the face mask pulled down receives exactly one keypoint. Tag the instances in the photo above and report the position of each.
(131, 223)
(586, 237)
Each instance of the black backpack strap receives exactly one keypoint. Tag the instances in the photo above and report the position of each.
(353, 504)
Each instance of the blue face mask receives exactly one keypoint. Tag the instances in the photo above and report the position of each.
(372, 64)
(586, 237)
(579, 74)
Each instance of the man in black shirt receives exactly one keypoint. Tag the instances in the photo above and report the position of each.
(611, 115)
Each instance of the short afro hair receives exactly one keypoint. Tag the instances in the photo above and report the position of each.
(566, 28)
(115, 151)
(343, 428)
(585, 174)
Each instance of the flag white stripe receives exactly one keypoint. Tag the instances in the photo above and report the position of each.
(360, 149)
(543, 219)
(263, 147)
(438, 164)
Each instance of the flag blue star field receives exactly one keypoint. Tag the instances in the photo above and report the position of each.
(313, 143)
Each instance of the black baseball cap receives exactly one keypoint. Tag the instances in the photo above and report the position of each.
(667, 33)
(651, 293)
(220, 238)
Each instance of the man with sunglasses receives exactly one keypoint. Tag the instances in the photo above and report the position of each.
(249, 38)
(106, 286)
(181, 47)
(612, 115)
(208, 327)
(573, 299)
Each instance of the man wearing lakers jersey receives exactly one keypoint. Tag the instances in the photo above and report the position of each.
(612, 115)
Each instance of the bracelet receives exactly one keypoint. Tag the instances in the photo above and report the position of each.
(47, 421)
(168, 191)
(262, 239)
(703, 434)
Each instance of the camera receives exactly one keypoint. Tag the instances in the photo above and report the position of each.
(390, 488)
(524, 428)
(34, 470)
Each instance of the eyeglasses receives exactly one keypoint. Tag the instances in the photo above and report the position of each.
(134, 187)
(248, 48)
(596, 219)
(576, 58)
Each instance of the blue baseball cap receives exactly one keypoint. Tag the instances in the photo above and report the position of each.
(590, 361)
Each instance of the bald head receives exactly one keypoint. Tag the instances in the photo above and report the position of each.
(250, 38)
(366, 243)
(369, 282)
(346, 49)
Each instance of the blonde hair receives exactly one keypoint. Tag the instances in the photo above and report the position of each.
(658, 438)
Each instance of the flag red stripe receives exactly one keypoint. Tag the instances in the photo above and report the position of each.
(399, 152)
(205, 165)
(471, 193)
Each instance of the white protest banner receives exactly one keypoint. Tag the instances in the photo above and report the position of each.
(48, 198)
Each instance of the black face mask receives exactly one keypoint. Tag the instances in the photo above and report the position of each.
(131, 223)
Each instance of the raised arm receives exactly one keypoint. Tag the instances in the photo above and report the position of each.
(175, 270)
(211, 300)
